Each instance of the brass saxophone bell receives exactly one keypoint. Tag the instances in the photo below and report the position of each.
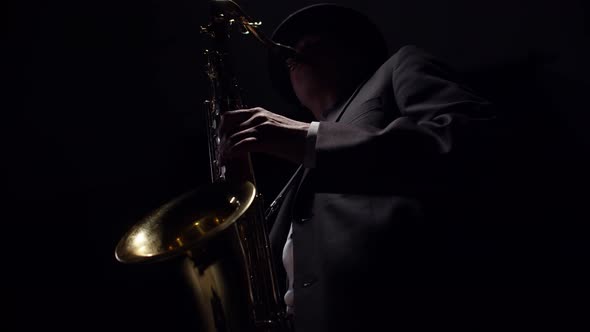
(185, 223)
(218, 231)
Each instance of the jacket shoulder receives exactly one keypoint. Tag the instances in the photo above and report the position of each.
(411, 55)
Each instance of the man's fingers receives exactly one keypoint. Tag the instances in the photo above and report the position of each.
(231, 119)
(254, 122)
(239, 149)
(244, 146)
(239, 142)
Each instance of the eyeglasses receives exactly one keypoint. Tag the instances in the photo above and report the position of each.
(291, 63)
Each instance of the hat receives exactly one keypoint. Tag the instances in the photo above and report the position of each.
(321, 18)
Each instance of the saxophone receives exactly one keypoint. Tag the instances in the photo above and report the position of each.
(219, 230)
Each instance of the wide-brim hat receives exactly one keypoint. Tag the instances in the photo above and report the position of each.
(323, 17)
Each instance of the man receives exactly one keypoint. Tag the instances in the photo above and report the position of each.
(374, 218)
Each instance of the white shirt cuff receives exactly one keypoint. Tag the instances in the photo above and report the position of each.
(312, 133)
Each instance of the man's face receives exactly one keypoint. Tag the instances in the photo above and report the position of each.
(320, 70)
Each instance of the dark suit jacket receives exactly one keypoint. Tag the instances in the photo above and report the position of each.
(386, 212)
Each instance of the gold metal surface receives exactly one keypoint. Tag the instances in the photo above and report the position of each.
(218, 231)
(185, 222)
(233, 10)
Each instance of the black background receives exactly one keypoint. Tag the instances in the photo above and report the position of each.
(106, 124)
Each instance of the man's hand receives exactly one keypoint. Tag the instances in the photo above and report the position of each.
(258, 130)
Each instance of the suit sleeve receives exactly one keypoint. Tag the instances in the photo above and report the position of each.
(440, 120)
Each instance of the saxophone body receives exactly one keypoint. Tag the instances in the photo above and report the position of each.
(218, 231)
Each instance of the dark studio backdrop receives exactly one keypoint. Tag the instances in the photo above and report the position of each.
(110, 126)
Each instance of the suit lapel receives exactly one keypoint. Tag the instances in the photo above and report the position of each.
(333, 116)
(337, 114)
(282, 220)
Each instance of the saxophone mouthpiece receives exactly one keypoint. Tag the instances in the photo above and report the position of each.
(285, 52)
(288, 54)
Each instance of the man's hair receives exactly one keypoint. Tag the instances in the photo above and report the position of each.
(357, 33)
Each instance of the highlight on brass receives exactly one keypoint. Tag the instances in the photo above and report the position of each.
(185, 222)
(218, 231)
